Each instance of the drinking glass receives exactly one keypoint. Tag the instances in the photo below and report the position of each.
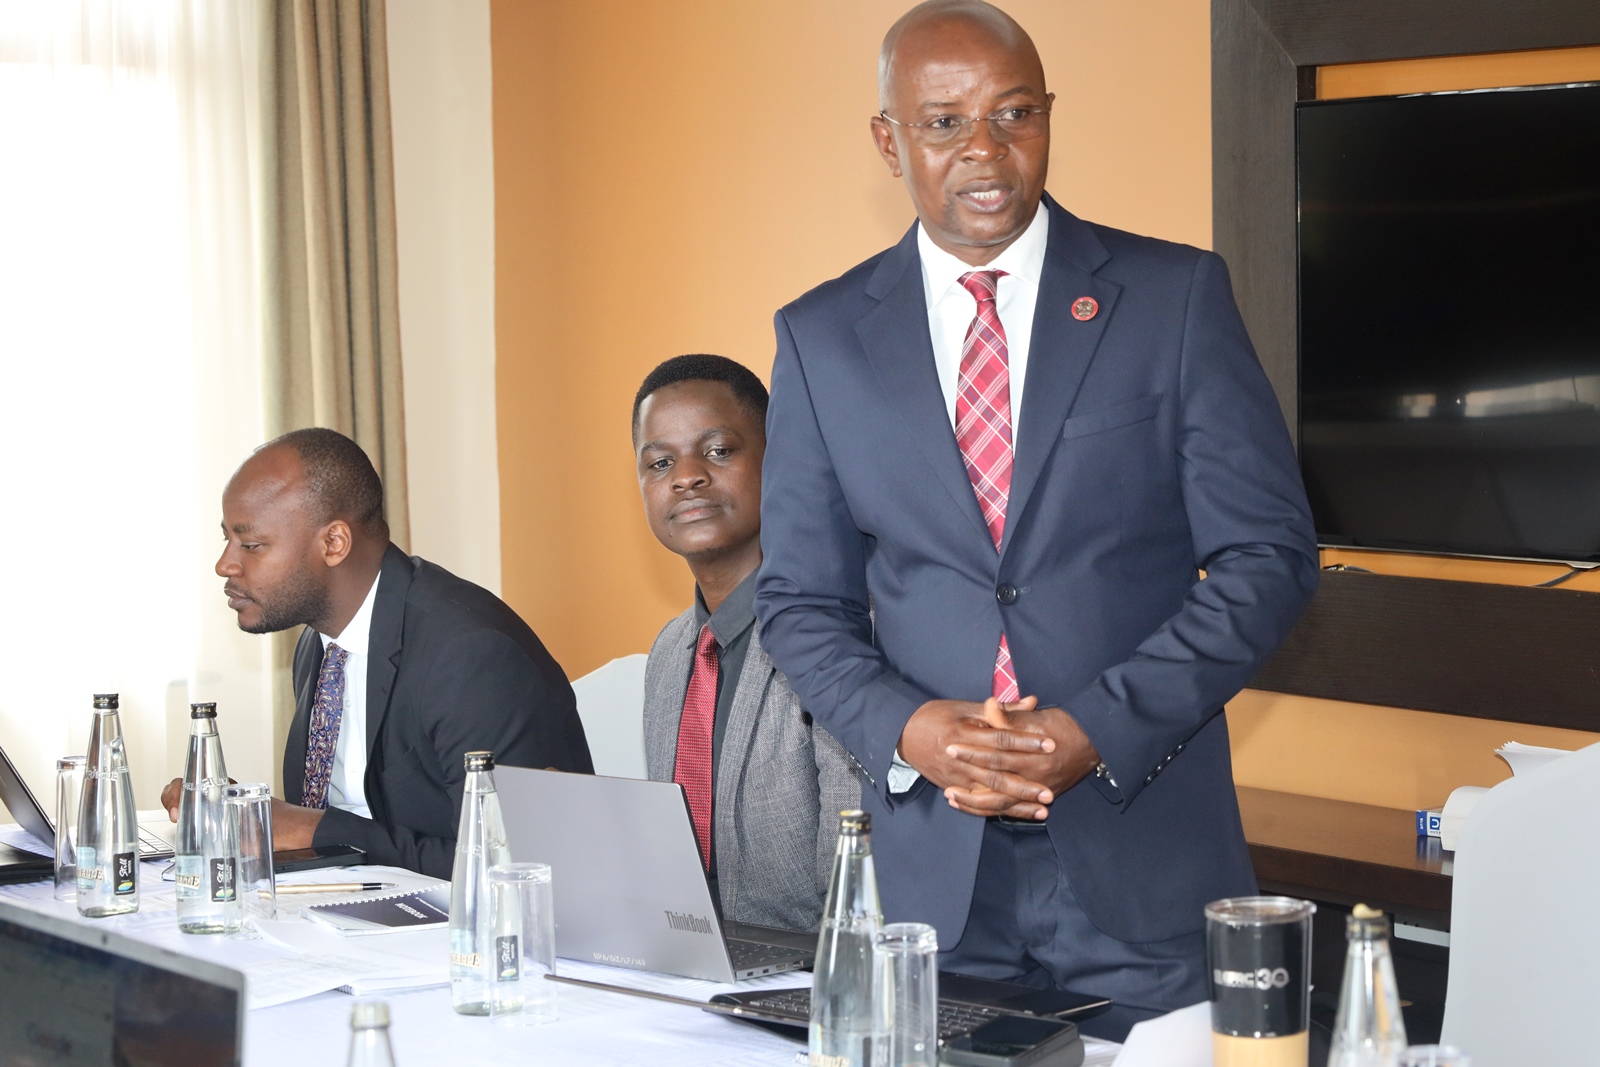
(69, 791)
(906, 976)
(1434, 1056)
(249, 822)
(1258, 958)
(522, 926)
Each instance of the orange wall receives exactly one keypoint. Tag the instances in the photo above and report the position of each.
(668, 174)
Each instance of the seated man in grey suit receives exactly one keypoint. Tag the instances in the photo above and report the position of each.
(765, 786)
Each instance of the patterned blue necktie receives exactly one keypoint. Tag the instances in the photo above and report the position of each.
(323, 737)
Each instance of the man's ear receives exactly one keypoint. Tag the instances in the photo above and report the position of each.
(336, 542)
(883, 140)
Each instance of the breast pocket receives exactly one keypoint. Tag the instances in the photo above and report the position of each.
(1112, 418)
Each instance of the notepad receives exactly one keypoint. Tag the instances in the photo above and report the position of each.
(418, 910)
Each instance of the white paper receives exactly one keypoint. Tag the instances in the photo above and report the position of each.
(1525, 759)
(1178, 1039)
(1097, 1053)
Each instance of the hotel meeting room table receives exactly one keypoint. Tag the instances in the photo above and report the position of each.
(593, 1028)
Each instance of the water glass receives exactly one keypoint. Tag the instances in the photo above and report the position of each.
(1258, 961)
(69, 791)
(1434, 1056)
(905, 959)
(522, 927)
(249, 820)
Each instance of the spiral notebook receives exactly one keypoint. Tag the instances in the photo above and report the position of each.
(418, 910)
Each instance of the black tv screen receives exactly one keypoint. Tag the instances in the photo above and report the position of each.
(1449, 285)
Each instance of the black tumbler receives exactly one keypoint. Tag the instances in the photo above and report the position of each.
(1258, 956)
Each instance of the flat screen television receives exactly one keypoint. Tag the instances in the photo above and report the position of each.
(1449, 290)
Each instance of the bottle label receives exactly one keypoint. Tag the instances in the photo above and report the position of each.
(88, 873)
(221, 880)
(507, 961)
(188, 875)
(126, 868)
(466, 959)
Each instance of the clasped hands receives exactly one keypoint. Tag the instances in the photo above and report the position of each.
(998, 759)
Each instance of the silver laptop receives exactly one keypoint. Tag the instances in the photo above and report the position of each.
(155, 832)
(626, 876)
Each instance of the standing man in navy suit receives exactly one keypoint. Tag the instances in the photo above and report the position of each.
(1030, 517)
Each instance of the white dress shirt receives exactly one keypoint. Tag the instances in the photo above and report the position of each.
(951, 309)
(346, 788)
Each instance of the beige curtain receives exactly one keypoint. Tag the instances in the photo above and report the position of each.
(332, 346)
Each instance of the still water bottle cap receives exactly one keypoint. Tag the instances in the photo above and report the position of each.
(105, 702)
(369, 1015)
(854, 823)
(203, 711)
(480, 761)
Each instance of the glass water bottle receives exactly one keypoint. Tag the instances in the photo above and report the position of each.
(1369, 1031)
(480, 844)
(108, 828)
(204, 874)
(841, 988)
(369, 1035)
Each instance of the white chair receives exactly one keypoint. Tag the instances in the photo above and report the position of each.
(1524, 932)
(611, 705)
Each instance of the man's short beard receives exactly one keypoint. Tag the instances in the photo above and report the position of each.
(299, 602)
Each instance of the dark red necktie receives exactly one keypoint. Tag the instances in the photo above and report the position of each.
(983, 429)
(692, 770)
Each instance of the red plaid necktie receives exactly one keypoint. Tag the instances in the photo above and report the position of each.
(983, 429)
(322, 735)
(692, 769)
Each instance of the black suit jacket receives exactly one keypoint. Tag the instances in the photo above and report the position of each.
(450, 669)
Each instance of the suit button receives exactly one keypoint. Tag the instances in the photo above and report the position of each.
(1006, 594)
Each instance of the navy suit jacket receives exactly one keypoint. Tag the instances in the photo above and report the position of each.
(451, 669)
(1149, 447)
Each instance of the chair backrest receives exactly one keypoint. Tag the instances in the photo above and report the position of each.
(1523, 933)
(611, 705)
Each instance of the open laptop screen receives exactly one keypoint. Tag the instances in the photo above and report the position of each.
(64, 1000)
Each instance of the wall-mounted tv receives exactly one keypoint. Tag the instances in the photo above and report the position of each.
(1449, 288)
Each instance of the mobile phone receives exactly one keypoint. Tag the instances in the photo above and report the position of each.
(1016, 1041)
(310, 859)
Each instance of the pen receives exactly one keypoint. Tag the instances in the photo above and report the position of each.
(338, 887)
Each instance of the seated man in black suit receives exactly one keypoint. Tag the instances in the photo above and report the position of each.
(401, 669)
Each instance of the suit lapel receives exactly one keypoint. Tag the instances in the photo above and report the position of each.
(304, 670)
(383, 644)
(742, 717)
(895, 337)
(1060, 351)
(666, 682)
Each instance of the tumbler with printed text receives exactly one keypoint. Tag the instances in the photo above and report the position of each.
(1258, 974)
(249, 827)
(69, 790)
(522, 938)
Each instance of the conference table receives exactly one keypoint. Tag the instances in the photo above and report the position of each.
(593, 1027)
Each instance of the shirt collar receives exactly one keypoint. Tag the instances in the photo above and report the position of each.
(356, 636)
(1023, 259)
(733, 616)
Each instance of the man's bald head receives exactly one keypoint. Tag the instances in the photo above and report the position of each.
(966, 123)
(934, 15)
(336, 479)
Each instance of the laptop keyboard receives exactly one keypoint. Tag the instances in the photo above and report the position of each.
(954, 1019)
(149, 842)
(749, 955)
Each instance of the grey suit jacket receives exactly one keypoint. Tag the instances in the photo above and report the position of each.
(781, 783)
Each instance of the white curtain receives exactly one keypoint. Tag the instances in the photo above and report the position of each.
(130, 374)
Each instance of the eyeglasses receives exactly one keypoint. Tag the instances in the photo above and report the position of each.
(1005, 126)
